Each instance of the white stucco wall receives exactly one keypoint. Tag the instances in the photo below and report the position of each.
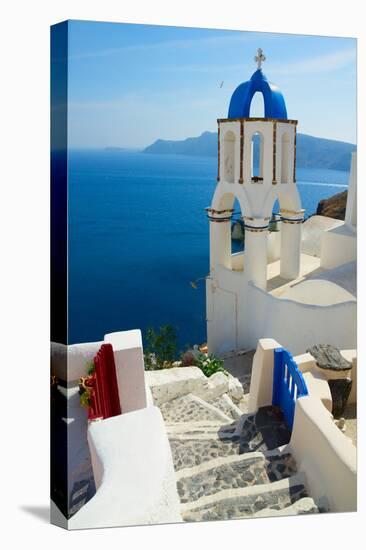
(134, 473)
(290, 248)
(226, 315)
(317, 292)
(320, 449)
(69, 363)
(261, 383)
(344, 276)
(318, 386)
(239, 316)
(274, 246)
(298, 326)
(289, 129)
(338, 246)
(326, 455)
(234, 128)
(129, 360)
(167, 384)
(312, 231)
(255, 254)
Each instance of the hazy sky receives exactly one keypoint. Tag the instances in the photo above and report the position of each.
(132, 84)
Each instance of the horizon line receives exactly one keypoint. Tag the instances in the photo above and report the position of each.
(142, 147)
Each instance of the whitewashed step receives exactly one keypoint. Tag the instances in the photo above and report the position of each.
(225, 404)
(200, 430)
(305, 505)
(246, 502)
(232, 472)
(190, 408)
(259, 432)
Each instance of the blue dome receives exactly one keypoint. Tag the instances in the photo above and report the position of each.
(274, 103)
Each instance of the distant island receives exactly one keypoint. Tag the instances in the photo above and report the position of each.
(311, 152)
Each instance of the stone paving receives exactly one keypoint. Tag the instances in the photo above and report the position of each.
(247, 505)
(261, 432)
(280, 466)
(233, 475)
(229, 464)
(188, 453)
(264, 431)
(189, 408)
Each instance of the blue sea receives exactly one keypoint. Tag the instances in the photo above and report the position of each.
(138, 234)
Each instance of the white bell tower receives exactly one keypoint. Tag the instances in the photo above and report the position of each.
(256, 166)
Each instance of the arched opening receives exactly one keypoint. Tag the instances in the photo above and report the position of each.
(285, 154)
(257, 157)
(237, 229)
(274, 234)
(229, 157)
(230, 237)
(257, 106)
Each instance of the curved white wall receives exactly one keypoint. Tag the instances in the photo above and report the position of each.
(298, 326)
(134, 473)
(321, 450)
(318, 292)
(326, 456)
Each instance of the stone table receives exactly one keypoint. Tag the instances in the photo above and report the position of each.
(329, 358)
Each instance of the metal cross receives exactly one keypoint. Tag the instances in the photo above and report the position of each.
(259, 58)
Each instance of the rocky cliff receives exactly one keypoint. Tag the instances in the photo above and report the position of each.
(334, 207)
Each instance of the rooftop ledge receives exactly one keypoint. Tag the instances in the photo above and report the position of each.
(258, 119)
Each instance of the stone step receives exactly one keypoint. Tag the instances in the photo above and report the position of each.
(200, 430)
(193, 444)
(225, 404)
(232, 472)
(247, 501)
(188, 408)
(304, 505)
(193, 451)
(262, 431)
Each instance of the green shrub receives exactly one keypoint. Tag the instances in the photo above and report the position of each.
(85, 399)
(209, 364)
(90, 368)
(161, 347)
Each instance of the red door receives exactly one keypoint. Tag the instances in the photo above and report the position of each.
(104, 398)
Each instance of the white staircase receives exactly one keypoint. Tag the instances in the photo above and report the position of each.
(231, 465)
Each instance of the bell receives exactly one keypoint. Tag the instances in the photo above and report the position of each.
(274, 223)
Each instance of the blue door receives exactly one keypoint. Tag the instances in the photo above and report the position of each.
(288, 384)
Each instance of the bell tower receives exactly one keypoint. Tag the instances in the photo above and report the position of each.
(256, 166)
